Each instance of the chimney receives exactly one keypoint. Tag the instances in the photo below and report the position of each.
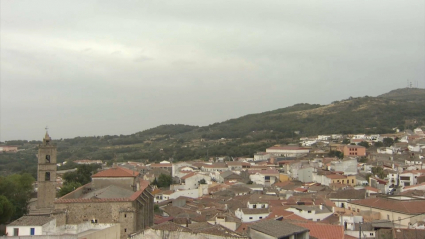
(321, 206)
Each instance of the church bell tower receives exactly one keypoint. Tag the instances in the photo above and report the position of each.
(46, 174)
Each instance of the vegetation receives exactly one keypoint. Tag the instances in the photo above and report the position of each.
(334, 153)
(6, 210)
(164, 181)
(82, 175)
(388, 142)
(202, 181)
(15, 191)
(243, 136)
(379, 171)
(73, 180)
(378, 144)
(364, 144)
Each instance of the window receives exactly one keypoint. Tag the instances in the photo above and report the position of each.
(371, 234)
(125, 215)
(47, 158)
(32, 231)
(250, 217)
(263, 206)
(388, 217)
(309, 211)
(260, 217)
(254, 206)
(125, 229)
(352, 180)
(47, 176)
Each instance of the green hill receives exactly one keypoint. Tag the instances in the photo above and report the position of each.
(402, 108)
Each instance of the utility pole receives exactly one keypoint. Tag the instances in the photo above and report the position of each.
(360, 230)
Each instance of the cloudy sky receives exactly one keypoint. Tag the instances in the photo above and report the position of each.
(98, 67)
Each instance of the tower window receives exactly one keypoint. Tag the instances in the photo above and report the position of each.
(47, 176)
(47, 158)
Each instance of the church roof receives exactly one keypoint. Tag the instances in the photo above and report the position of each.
(116, 172)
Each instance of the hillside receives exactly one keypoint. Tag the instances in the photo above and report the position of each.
(402, 108)
(406, 94)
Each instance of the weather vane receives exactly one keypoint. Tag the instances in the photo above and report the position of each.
(47, 128)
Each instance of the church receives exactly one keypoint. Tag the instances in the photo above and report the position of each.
(116, 196)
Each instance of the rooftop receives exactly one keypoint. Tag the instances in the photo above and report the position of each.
(323, 231)
(277, 228)
(116, 172)
(31, 221)
(408, 205)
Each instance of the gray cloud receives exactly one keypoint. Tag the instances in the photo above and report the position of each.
(118, 67)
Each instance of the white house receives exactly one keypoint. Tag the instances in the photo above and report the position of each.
(323, 137)
(255, 211)
(287, 151)
(264, 177)
(259, 156)
(420, 186)
(31, 226)
(314, 213)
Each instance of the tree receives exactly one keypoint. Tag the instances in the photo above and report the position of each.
(250, 182)
(155, 182)
(164, 180)
(68, 187)
(346, 141)
(334, 153)
(364, 144)
(363, 159)
(202, 181)
(388, 142)
(378, 144)
(82, 175)
(379, 171)
(17, 189)
(6, 210)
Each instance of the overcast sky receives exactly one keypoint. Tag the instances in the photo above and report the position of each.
(86, 67)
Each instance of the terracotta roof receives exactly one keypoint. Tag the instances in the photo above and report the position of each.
(31, 221)
(188, 175)
(414, 186)
(301, 189)
(255, 210)
(354, 146)
(322, 231)
(216, 165)
(161, 165)
(288, 148)
(170, 226)
(369, 188)
(158, 219)
(349, 194)
(336, 176)
(116, 172)
(277, 229)
(412, 207)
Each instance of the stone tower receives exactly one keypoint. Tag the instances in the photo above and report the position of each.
(46, 174)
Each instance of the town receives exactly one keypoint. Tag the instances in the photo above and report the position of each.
(325, 187)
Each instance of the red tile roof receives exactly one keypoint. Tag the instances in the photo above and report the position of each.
(336, 176)
(287, 148)
(412, 207)
(322, 231)
(116, 172)
(161, 165)
(188, 175)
